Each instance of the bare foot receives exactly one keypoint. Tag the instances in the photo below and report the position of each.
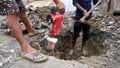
(28, 50)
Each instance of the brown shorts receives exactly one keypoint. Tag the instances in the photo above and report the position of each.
(11, 7)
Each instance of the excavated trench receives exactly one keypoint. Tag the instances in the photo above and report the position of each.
(63, 50)
(102, 49)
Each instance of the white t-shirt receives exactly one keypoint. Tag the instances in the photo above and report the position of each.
(68, 5)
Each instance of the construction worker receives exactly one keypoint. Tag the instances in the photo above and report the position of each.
(14, 9)
(82, 7)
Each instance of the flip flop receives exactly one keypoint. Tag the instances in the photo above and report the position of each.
(32, 56)
(31, 35)
(39, 32)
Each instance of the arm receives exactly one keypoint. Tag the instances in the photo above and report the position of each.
(60, 6)
(57, 1)
(77, 5)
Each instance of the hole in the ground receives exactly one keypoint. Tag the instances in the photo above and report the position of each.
(63, 49)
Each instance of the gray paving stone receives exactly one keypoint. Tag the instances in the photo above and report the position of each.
(17, 66)
(24, 63)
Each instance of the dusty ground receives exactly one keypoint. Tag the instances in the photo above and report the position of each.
(102, 47)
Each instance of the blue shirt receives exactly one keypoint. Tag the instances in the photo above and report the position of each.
(86, 4)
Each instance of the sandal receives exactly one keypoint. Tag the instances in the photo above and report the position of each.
(38, 32)
(35, 57)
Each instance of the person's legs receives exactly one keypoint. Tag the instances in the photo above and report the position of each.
(29, 27)
(27, 51)
(24, 18)
(77, 29)
(11, 11)
(14, 25)
(86, 33)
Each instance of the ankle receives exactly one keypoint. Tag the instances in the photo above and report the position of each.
(28, 50)
(25, 48)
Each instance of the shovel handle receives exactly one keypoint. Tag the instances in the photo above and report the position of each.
(85, 16)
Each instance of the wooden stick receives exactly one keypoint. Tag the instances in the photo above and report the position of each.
(85, 16)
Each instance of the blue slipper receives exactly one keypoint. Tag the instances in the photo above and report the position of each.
(35, 57)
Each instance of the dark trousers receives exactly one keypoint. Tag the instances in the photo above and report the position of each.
(77, 29)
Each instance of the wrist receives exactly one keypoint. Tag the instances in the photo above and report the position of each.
(84, 10)
(57, 1)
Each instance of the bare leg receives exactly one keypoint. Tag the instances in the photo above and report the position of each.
(14, 25)
(25, 20)
(27, 50)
